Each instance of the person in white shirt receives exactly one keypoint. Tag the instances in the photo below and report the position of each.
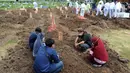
(86, 1)
(68, 0)
(101, 2)
(118, 7)
(77, 7)
(35, 4)
(88, 7)
(106, 8)
(99, 9)
(82, 9)
(111, 9)
(70, 4)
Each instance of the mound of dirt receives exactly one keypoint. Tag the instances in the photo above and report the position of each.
(3, 12)
(11, 17)
(19, 58)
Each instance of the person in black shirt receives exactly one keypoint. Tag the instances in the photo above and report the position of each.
(83, 40)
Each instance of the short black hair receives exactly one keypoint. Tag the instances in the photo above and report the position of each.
(38, 29)
(49, 42)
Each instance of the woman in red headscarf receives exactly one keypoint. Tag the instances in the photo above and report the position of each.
(98, 54)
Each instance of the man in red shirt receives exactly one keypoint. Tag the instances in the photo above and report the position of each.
(98, 53)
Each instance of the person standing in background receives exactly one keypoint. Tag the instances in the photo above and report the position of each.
(77, 7)
(118, 7)
(106, 8)
(82, 9)
(88, 7)
(35, 6)
(111, 9)
(99, 9)
(101, 2)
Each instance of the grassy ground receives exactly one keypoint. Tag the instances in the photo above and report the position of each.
(119, 40)
(17, 5)
(9, 44)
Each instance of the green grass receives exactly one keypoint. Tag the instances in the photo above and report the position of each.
(7, 0)
(17, 5)
(11, 41)
(7, 6)
(9, 44)
(119, 40)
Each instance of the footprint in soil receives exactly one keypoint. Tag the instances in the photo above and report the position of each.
(5, 67)
(25, 54)
(12, 61)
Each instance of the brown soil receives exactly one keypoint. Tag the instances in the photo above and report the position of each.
(19, 58)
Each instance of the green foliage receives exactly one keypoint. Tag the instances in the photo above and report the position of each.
(11, 41)
(17, 5)
(119, 40)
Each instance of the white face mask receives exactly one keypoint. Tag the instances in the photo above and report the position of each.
(80, 33)
(53, 46)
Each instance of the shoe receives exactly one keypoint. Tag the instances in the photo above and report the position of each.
(95, 65)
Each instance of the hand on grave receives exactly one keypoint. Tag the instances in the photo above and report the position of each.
(59, 55)
(90, 52)
(76, 44)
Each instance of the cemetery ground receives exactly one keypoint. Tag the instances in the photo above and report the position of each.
(16, 25)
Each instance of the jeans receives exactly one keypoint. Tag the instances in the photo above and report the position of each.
(58, 67)
(84, 47)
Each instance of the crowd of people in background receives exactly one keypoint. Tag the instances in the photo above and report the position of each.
(109, 9)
